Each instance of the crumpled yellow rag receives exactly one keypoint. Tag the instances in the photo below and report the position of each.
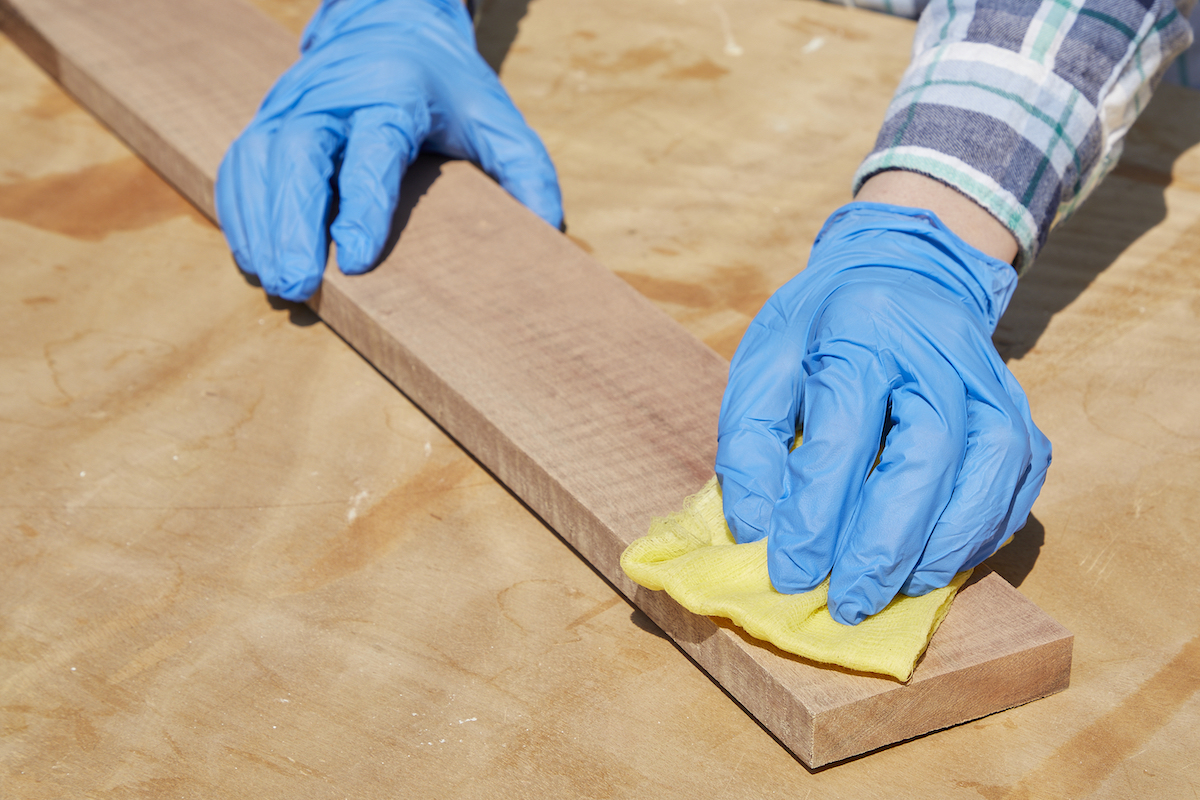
(693, 556)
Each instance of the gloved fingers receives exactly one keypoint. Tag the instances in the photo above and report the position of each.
(489, 130)
(993, 477)
(1040, 453)
(242, 200)
(382, 143)
(758, 424)
(845, 402)
(750, 467)
(302, 160)
(904, 497)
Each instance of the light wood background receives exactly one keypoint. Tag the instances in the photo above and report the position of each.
(237, 560)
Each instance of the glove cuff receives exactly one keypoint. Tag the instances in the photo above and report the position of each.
(337, 16)
(915, 240)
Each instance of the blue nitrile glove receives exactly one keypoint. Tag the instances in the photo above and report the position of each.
(377, 81)
(891, 320)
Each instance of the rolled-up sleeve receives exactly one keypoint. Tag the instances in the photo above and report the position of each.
(1023, 106)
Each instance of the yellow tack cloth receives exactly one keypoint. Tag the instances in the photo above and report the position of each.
(694, 558)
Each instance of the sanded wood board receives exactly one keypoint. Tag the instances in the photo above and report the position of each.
(594, 407)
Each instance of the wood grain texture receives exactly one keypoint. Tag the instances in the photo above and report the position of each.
(590, 404)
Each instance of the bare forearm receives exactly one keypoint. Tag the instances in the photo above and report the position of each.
(959, 213)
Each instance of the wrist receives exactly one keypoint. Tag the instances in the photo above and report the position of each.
(963, 216)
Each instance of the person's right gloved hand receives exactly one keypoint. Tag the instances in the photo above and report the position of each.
(886, 332)
(378, 81)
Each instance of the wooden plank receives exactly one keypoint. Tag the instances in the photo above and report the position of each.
(591, 405)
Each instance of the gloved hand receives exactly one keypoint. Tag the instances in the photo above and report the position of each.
(888, 330)
(377, 81)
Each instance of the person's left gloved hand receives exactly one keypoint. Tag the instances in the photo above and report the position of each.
(377, 81)
(887, 330)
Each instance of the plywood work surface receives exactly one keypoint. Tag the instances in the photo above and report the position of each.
(137, 350)
(550, 370)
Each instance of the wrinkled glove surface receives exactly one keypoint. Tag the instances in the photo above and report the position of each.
(886, 332)
(377, 81)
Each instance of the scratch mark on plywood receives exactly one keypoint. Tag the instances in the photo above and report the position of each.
(732, 48)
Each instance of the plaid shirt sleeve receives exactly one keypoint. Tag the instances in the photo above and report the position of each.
(1023, 105)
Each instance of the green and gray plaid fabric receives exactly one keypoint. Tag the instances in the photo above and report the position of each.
(1023, 104)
